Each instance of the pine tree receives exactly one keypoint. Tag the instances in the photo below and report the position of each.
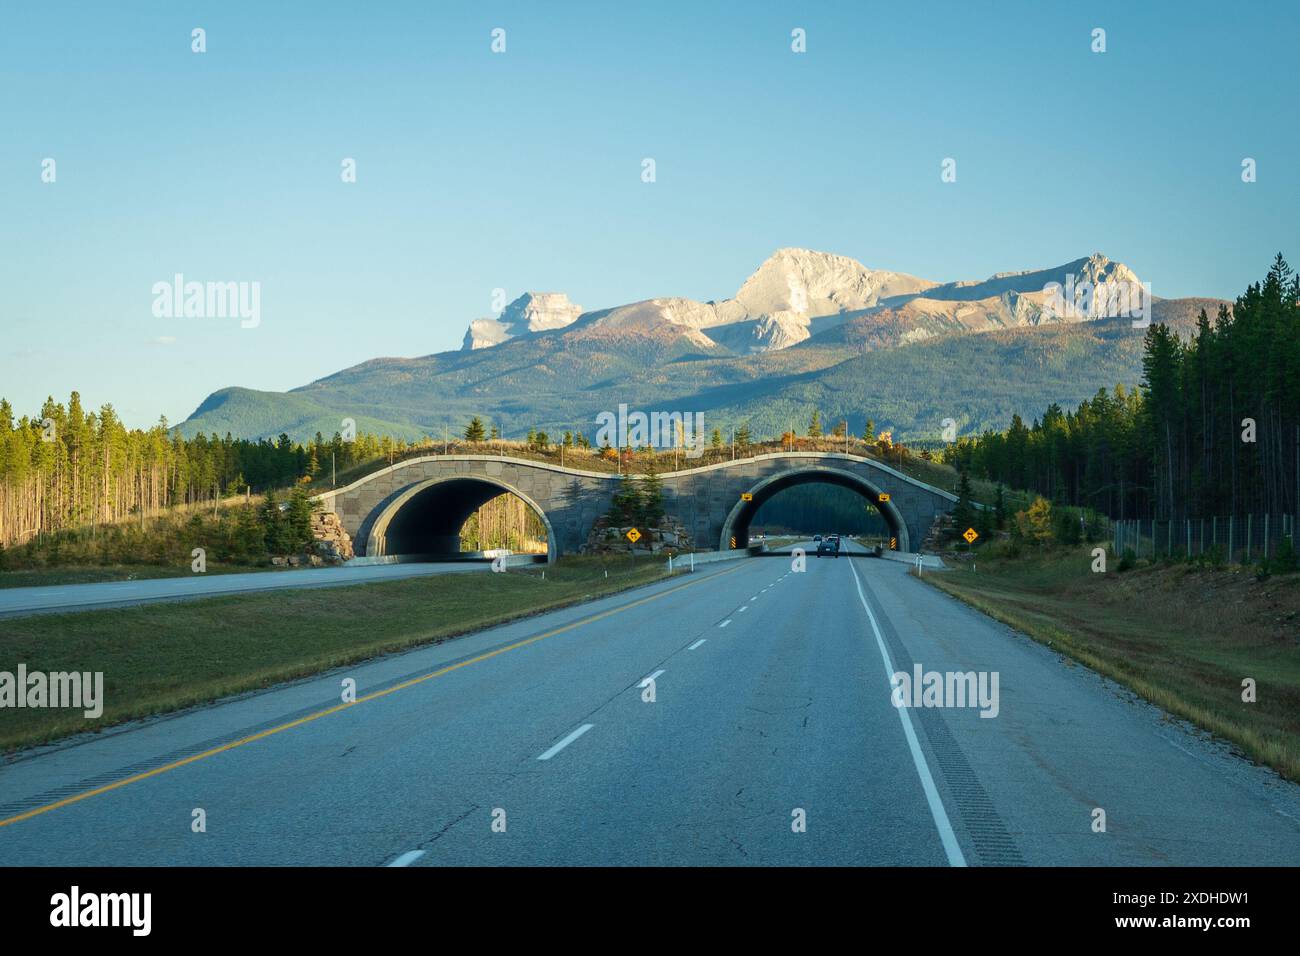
(652, 496)
(298, 533)
(963, 513)
(474, 431)
(625, 504)
(275, 533)
(815, 426)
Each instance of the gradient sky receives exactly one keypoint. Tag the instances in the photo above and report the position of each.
(522, 170)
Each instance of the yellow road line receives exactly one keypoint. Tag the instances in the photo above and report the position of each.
(136, 778)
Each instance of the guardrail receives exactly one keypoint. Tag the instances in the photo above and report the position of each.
(691, 558)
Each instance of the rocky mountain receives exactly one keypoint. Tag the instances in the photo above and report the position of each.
(798, 293)
(806, 330)
(531, 312)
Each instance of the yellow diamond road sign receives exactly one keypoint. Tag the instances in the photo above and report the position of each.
(633, 535)
(970, 535)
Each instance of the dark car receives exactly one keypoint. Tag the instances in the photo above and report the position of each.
(829, 545)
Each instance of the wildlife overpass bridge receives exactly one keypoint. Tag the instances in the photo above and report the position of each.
(418, 506)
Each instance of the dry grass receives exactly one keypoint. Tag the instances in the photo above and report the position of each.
(1182, 637)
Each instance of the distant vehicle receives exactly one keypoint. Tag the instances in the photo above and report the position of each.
(829, 545)
(816, 538)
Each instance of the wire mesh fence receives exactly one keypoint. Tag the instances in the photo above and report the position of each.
(1232, 539)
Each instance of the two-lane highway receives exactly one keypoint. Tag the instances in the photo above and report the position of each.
(739, 715)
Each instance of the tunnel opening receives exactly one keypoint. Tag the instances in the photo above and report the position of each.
(786, 505)
(464, 519)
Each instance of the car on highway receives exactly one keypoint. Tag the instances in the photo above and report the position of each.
(829, 545)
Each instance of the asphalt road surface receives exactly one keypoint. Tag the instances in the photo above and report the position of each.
(15, 602)
(767, 736)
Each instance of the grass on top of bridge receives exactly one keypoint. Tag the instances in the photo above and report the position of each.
(899, 457)
(1181, 636)
(162, 657)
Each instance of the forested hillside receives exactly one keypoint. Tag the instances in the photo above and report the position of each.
(1214, 429)
(561, 380)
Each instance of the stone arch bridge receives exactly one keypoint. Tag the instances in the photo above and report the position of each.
(418, 506)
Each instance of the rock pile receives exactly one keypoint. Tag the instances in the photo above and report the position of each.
(670, 535)
(333, 543)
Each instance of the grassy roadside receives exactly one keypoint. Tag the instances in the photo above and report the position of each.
(1182, 637)
(97, 574)
(162, 657)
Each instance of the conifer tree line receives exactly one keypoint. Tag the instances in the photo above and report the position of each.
(1214, 428)
(68, 467)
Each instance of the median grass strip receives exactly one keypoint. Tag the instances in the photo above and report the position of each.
(162, 657)
(1180, 636)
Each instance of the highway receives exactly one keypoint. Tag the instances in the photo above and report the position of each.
(15, 602)
(740, 715)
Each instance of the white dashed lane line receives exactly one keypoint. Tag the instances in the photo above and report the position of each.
(407, 858)
(725, 623)
(547, 755)
(697, 643)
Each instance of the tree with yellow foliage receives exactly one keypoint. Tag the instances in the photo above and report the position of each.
(1035, 523)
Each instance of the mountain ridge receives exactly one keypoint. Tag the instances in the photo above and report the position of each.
(800, 319)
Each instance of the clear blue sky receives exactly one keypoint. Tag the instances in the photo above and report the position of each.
(522, 170)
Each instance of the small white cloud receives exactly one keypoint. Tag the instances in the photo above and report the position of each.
(163, 340)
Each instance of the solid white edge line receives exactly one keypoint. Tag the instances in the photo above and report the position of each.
(565, 742)
(937, 811)
(407, 858)
(697, 643)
